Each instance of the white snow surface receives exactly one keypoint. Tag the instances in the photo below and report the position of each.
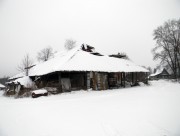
(138, 111)
(78, 60)
(40, 91)
(2, 86)
(25, 81)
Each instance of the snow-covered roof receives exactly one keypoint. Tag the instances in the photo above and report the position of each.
(22, 74)
(79, 60)
(25, 81)
(2, 86)
(155, 74)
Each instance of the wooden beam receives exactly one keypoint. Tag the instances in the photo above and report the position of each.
(88, 80)
(124, 79)
(132, 78)
(95, 81)
(60, 84)
(121, 78)
(146, 78)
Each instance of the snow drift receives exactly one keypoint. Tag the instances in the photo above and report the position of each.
(139, 111)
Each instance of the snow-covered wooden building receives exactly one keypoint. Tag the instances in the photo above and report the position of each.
(160, 74)
(83, 68)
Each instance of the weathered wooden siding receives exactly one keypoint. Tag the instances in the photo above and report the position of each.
(67, 81)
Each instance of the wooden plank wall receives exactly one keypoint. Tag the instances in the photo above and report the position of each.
(88, 80)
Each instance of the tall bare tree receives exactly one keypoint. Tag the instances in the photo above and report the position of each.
(25, 64)
(69, 44)
(167, 48)
(45, 54)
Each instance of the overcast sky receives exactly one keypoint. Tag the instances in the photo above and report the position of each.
(111, 26)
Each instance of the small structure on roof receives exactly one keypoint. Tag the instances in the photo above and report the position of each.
(120, 55)
(2, 87)
(88, 48)
(160, 74)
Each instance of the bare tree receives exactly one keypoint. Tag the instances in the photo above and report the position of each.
(167, 48)
(25, 64)
(45, 54)
(69, 44)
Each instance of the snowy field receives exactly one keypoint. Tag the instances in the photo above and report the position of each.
(138, 111)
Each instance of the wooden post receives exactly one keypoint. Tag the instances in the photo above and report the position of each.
(69, 74)
(106, 81)
(88, 80)
(146, 78)
(132, 78)
(14, 88)
(60, 84)
(95, 81)
(99, 81)
(121, 79)
(136, 76)
(124, 79)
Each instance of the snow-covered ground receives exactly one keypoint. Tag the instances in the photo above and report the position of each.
(138, 111)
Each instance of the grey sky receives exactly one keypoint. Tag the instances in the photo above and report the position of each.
(111, 26)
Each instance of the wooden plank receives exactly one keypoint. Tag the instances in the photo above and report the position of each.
(88, 80)
(132, 78)
(60, 84)
(121, 79)
(94, 81)
(124, 79)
